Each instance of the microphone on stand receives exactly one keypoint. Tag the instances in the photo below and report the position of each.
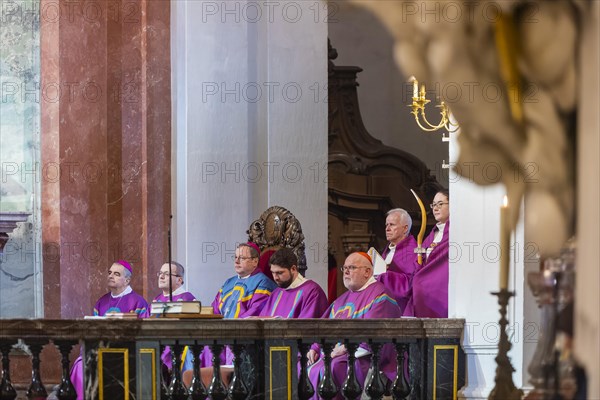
(180, 308)
(170, 260)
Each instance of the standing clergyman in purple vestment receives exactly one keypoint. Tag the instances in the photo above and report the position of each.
(296, 296)
(365, 298)
(430, 281)
(399, 256)
(120, 299)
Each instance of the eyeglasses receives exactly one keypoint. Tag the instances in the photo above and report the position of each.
(161, 274)
(351, 268)
(241, 258)
(437, 205)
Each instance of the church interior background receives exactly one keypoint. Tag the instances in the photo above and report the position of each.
(115, 115)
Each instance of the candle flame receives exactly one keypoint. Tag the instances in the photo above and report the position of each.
(505, 202)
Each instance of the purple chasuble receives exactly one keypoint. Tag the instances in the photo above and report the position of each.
(185, 296)
(430, 282)
(305, 301)
(240, 298)
(404, 257)
(397, 278)
(130, 303)
(372, 302)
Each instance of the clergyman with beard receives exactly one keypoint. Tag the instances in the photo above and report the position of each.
(295, 296)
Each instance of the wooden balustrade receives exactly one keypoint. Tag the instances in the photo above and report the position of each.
(122, 357)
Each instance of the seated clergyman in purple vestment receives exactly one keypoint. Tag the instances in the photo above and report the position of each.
(296, 296)
(177, 274)
(365, 298)
(120, 299)
(245, 294)
(430, 281)
(242, 295)
(399, 256)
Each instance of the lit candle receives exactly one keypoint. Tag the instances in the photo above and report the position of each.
(504, 245)
(415, 87)
(422, 92)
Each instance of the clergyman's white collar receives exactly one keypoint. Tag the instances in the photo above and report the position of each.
(297, 282)
(123, 293)
(371, 281)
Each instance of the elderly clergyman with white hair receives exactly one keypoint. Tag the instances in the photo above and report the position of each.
(399, 255)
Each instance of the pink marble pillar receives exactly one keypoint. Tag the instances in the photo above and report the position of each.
(108, 132)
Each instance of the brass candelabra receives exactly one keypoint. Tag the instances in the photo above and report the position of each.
(419, 101)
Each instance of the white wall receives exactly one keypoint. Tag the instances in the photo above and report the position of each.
(474, 274)
(248, 132)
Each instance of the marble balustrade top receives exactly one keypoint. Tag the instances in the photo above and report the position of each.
(405, 329)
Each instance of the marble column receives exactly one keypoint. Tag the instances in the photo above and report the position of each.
(105, 147)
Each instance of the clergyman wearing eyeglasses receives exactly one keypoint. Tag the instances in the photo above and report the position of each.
(365, 298)
(245, 294)
(176, 274)
(429, 298)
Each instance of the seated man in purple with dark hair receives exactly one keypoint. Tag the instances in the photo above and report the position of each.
(120, 299)
(365, 298)
(296, 296)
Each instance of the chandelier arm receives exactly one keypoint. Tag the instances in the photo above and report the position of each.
(452, 128)
(439, 125)
(426, 129)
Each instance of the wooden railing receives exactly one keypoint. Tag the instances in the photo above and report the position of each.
(122, 357)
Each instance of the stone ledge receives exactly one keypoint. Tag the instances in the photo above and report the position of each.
(229, 330)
